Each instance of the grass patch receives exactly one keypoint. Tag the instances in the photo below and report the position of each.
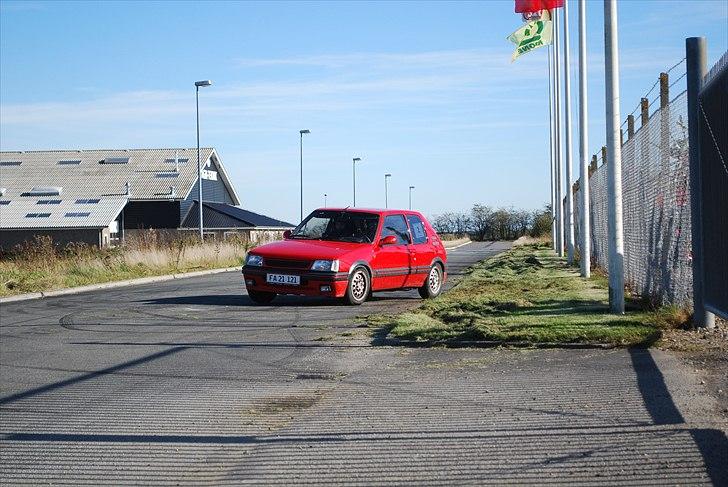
(528, 295)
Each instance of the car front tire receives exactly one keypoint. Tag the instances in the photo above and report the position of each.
(433, 284)
(261, 297)
(359, 287)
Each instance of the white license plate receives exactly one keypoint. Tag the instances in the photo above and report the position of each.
(283, 279)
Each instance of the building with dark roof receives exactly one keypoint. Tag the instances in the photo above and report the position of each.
(99, 196)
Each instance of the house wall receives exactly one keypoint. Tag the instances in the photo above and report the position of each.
(62, 237)
(151, 214)
(214, 191)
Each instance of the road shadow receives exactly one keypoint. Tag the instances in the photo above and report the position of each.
(241, 300)
(712, 443)
(278, 302)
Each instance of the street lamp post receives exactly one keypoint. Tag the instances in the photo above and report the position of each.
(325, 200)
(353, 171)
(410, 196)
(301, 132)
(386, 190)
(202, 83)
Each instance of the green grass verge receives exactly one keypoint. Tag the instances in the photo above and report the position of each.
(527, 295)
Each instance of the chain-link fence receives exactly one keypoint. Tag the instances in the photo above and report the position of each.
(656, 202)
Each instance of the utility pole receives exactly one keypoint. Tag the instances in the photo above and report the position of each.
(557, 145)
(696, 65)
(410, 196)
(584, 217)
(199, 84)
(353, 172)
(569, 220)
(386, 190)
(301, 132)
(614, 162)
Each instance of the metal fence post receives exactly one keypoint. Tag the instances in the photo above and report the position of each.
(664, 90)
(630, 126)
(696, 63)
(644, 111)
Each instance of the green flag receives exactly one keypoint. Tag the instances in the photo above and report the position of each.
(534, 34)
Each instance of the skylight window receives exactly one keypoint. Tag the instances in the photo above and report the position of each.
(115, 160)
(37, 215)
(167, 174)
(48, 202)
(180, 160)
(10, 163)
(44, 191)
(4, 202)
(69, 162)
(78, 214)
(93, 201)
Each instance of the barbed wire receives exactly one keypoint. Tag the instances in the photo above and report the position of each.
(676, 81)
(676, 65)
(647, 95)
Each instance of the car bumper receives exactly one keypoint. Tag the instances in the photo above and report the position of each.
(332, 284)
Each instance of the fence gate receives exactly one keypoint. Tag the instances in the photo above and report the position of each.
(713, 133)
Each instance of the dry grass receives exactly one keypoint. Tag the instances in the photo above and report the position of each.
(42, 266)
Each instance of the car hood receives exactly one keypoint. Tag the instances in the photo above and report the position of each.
(307, 249)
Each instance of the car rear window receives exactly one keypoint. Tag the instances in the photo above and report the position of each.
(419, 234)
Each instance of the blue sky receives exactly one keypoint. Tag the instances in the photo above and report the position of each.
(423, 90)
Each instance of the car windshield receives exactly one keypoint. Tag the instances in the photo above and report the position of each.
(342, 226)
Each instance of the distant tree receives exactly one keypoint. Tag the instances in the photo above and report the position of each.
(461, 223)
(481, 221)
(541, 222)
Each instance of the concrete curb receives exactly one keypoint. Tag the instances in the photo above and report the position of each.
(458, 246)
(114, 284)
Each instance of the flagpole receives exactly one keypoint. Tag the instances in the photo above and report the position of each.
(569, 219)
(552, 153)
(584, 216)
(557, 145)
(614, 160)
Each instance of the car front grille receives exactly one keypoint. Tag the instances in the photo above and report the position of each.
(287, 264)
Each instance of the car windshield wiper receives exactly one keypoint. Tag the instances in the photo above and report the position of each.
(304, 237)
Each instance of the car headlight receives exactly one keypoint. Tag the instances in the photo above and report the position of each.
(325, 265)
(254, 260)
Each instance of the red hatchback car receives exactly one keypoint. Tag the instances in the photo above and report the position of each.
(348, 253)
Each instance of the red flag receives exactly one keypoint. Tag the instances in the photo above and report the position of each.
(525, 6)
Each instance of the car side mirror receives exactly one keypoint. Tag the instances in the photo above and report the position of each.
(388, 240)
(286, 234)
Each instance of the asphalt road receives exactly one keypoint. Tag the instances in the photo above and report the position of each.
(186, 382)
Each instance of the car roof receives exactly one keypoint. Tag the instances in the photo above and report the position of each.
(380, 211)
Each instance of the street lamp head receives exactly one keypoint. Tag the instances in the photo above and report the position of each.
(357, 159)
(204, 82)
(387, 175)
(304, 131)
(412, 187)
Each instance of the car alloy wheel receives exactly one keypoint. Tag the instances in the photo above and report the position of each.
(433, 284)
(434, 280)
(358, 290)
